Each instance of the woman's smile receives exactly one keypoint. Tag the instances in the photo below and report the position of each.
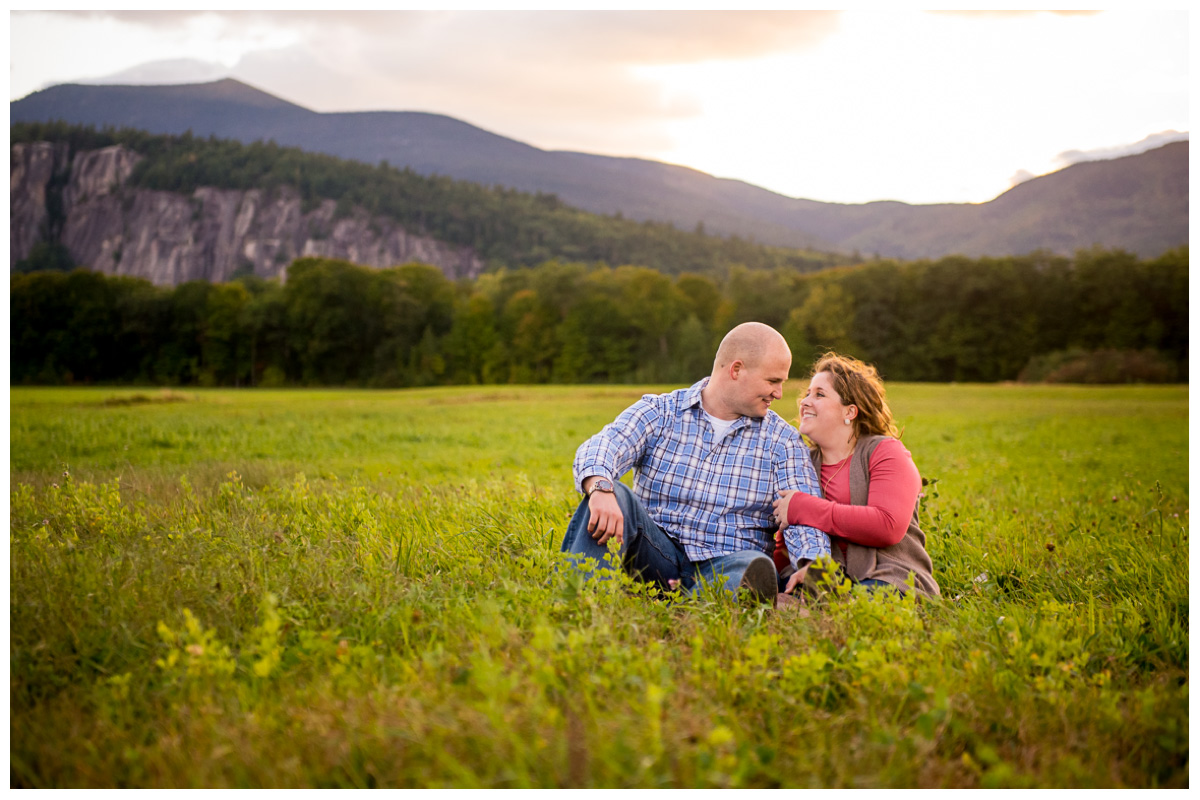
(821, 409)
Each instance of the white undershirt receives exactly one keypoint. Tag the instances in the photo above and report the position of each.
(720, 426)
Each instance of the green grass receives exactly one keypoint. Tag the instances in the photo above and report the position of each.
(352, 588)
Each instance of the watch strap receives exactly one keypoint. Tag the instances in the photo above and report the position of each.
(601, 485)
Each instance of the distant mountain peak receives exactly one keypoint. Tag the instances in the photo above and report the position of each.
(230, 90)
(235, 90)
(225, 90)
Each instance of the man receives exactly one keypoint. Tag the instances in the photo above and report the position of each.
(708, 462)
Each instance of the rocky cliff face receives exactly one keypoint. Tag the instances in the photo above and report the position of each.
(31, 169)
(169, 238)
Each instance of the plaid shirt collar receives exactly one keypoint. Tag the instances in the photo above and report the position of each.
(692, 398)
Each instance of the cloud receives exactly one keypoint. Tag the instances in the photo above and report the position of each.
(642, 37)
(666, 37)
(1020, 176)
(553, 79)
(168, 71)
(983, 14)
(556, 79)
(1069, 157)
(595, 107)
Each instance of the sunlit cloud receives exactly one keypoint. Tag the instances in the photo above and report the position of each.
(1149, 143)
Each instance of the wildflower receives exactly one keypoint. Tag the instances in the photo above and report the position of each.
(195, 649)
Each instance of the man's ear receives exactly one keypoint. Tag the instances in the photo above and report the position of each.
(736, 368)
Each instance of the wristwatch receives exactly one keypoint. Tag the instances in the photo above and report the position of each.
(601, 485)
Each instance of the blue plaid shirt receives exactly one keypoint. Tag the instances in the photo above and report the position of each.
(713, 497)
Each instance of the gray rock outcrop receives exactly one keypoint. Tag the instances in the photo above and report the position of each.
(169, 238)
(32, 167)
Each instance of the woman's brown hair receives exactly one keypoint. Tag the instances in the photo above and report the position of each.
(859, 384)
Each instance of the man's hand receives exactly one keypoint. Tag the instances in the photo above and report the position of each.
(780, 512)
(606, 521)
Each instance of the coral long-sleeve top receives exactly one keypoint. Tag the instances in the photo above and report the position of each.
(891, 497)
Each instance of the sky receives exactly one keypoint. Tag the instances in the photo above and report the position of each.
(848, 107)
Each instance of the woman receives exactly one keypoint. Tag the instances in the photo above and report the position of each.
(868, 481)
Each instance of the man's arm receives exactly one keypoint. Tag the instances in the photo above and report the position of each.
(608, 455)
(795, 472)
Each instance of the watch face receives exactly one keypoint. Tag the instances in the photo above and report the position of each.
(602, 485)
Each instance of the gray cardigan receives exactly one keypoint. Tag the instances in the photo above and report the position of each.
(889, 564)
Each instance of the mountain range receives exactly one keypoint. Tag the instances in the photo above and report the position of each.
(1136, 203)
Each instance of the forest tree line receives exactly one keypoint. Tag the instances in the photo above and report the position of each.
(505, 227)
(333, 323)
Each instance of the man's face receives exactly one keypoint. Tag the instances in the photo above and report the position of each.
(755, 388)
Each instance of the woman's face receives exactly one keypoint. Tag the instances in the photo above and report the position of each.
(822, 415)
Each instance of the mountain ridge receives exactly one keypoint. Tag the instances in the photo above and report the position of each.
(175, 208)
(1148, 219)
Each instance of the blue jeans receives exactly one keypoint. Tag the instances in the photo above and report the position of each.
(875, 583)
(650, 555)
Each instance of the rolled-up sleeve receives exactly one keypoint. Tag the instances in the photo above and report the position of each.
(795, 471)
(620, 445)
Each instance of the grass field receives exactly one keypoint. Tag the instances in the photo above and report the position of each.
(353, 588)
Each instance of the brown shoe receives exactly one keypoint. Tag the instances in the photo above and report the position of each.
(760, 580)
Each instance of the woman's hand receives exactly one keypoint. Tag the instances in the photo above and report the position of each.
(796, 580)
(780, 513)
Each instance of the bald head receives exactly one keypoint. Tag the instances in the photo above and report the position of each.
(749, 371)
(749, 343)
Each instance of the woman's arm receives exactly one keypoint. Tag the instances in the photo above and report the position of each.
(891, 498)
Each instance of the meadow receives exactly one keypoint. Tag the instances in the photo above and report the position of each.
(222, 588)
